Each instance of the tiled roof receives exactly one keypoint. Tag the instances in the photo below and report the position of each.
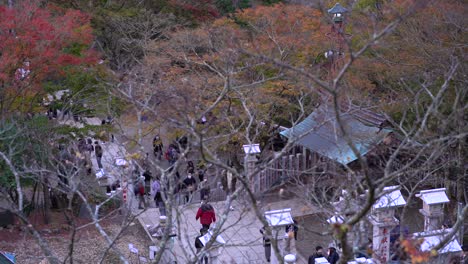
(320, 132)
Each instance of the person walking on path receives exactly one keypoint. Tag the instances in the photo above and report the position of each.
(190, 167)
(171, 155)
(158, 147)
(333, 256)
(206, 214)
(189, 186)
(204, 190)
(199, 246)
(201, 172)
(148, 177)
(140, 193)
(292, 228)
(158, 200)
(98, 152)
(266, 244)
(89, 145)
(318, 254)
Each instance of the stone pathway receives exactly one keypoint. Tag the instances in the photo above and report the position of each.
(241, 233)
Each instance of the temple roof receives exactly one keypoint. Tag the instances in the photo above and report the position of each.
(320, 132)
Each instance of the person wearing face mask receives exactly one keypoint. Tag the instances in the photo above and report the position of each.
(189, 184)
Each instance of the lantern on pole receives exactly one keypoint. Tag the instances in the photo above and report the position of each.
(337, 12)
(337, 37)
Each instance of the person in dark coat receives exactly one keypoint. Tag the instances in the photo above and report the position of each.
(148, 177)
(98, 152)
(189, 185)
(190, 167)
(333, 256)
(158, 147)
(266, 244)
(201, 173)
(206, 214)
(204, 190)
(89, 145)
(199, 245)
(318, 254)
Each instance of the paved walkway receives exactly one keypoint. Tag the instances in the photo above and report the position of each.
(241, 232)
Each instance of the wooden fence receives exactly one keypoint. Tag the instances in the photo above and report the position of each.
(283, 169)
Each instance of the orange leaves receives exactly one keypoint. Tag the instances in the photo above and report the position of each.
(49, 37)
(283, 29)
(411, 247)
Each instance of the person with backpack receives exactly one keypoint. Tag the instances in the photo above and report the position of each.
(206, 214)
(199, 246)
(98, 152)
(171, 155)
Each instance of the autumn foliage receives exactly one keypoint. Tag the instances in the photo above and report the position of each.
(49, 38)
(412, 248)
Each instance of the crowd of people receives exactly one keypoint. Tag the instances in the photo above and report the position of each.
(184, 187)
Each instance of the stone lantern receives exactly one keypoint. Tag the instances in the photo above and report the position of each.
(157, 232)
(250, 156)
(250, 159)
(383, 220)
(215, 250)
(433, 210)
(278, 220)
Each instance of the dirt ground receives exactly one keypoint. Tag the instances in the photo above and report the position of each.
(89, 246)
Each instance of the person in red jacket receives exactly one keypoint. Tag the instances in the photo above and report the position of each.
(206, 214)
